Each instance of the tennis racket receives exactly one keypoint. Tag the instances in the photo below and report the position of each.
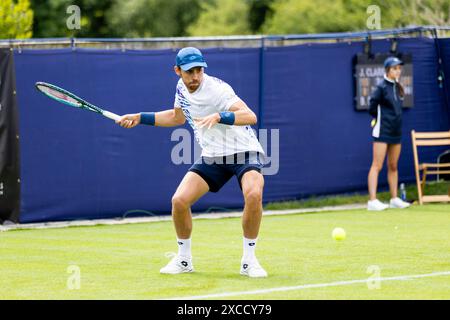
(72, 100)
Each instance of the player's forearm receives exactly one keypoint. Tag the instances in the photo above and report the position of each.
(166, 118)
(238, 117)
(244, 118)
(239, 114)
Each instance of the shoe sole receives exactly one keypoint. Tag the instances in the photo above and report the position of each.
(247, 275)
(184, 271)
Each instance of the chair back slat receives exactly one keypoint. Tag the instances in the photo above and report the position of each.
(433, 135)
(433, 142)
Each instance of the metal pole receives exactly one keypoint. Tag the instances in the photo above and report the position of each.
(261, 83)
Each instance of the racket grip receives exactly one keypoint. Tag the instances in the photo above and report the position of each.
(111, 115)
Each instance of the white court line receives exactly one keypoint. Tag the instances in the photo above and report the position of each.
(309, 286)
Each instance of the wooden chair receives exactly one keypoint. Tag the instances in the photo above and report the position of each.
(423, 139)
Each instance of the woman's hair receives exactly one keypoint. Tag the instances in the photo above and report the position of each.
(400, 89)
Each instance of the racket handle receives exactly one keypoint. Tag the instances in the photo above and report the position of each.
(111, 115)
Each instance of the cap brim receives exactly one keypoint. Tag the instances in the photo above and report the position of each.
(399, 63)
(187, 66)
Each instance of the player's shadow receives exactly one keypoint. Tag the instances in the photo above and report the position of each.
(220, 275)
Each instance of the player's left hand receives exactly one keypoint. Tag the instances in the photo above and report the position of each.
(208, 121)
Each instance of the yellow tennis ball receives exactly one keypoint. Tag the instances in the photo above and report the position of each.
(338, 234)
(373, 123)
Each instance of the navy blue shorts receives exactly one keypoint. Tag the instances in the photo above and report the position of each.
(216, 171)
(388, 140)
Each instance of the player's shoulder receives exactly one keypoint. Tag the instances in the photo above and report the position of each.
(216, 82)
(213, 79)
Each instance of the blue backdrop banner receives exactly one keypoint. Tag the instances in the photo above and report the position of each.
(78, 165)
(325, 145)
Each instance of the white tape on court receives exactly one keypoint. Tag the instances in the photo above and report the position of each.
(215, 215)
(310, 286)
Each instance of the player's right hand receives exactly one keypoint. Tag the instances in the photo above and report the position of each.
(129, 120)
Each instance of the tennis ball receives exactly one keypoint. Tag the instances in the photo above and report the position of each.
(373, 123)
(338, 234)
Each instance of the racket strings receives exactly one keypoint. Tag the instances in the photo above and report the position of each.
(58, 95)
(62, 96)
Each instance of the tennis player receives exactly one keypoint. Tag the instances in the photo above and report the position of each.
(386, 106)
(221, 124)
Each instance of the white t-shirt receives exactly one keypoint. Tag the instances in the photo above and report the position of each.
(214, 95)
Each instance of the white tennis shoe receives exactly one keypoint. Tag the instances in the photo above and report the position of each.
(397, 203)
(178, 264)
(376, 205)
(252, 269)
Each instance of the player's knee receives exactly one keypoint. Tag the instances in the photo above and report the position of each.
(179, 202)
(253, 196)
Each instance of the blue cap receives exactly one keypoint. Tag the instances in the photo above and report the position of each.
(190, 57)
(392, 61)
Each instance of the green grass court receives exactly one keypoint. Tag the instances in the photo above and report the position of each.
(123, 261)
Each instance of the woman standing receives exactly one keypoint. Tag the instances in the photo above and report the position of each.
(386, 106)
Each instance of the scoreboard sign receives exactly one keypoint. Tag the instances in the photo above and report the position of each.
(369, 71)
